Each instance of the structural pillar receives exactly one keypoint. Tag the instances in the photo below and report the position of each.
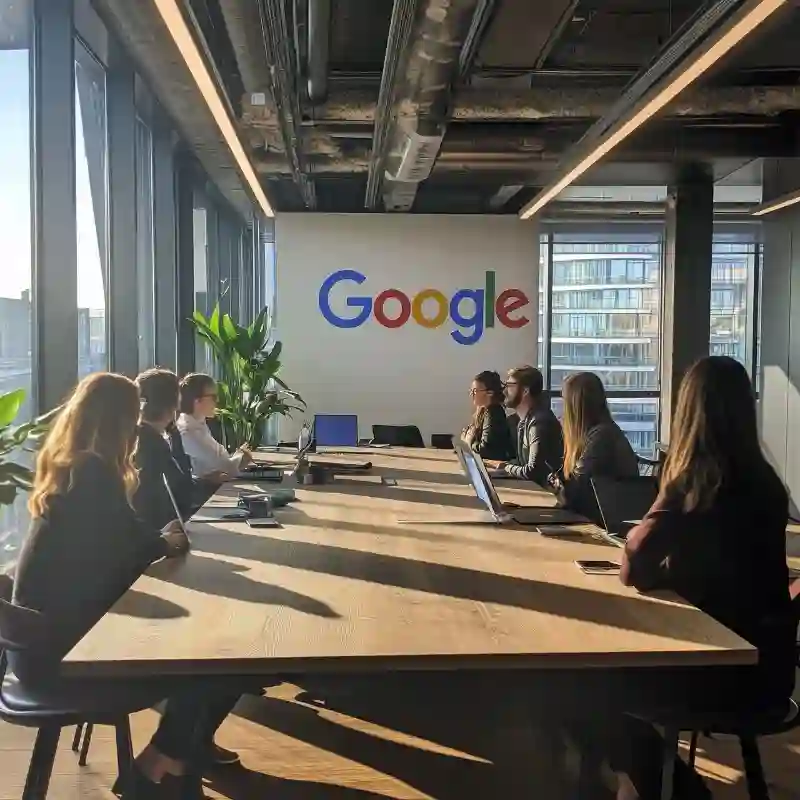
(686, 283)
(779, 399)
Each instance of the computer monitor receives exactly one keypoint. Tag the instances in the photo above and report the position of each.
(336, 430)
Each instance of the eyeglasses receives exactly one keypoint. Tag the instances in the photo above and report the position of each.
(473, 392)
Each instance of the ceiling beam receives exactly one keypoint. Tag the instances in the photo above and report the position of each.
(708, 37)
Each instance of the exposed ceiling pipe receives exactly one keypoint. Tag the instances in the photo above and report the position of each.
(432, 68)
(533, 105)
(319, 20)
(403, 14)
(244, 30)
(279, 54)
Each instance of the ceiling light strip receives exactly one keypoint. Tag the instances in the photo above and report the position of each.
(784, 201)
(712, 53)
(182, 36)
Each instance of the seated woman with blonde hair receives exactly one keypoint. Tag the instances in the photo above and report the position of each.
(85, 548)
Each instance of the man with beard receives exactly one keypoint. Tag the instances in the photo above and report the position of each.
(540, 442)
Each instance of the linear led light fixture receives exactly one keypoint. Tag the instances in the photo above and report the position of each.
(182, 36)
(777, 204)
(709, 54)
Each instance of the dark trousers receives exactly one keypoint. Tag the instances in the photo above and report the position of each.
(190, 720)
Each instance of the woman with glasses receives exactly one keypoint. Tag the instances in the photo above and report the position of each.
(488, 434)
(198, 405)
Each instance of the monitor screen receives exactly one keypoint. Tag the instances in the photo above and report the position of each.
(336, 430)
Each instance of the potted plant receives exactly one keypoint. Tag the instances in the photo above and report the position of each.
(249, 391)
(15, 477)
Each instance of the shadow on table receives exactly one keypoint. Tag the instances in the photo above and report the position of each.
(298, 516)
(633, 613)
(362, 488)
(214, 576)
(135, 603)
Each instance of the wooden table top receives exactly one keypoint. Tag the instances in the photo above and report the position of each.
(344, 586)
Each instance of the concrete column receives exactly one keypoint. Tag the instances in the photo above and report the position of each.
(779, 402)
(686, 284)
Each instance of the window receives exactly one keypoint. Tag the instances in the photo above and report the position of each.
(145, 277)
(733, 280)
(606, 305)
(91, 197)
(202, 356)
(16, 370)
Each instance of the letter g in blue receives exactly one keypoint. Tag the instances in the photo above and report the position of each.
(362, 303)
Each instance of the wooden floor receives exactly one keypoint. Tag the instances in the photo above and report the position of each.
(294, 749)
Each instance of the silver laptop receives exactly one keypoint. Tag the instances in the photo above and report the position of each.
(475, 470)
(623, 503)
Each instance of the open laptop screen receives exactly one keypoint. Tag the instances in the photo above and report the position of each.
(474, 469)
(174, 504)
(336, 430)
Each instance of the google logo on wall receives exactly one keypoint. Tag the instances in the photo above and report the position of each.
(471, 311)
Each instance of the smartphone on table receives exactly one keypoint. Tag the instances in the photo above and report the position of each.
(599, 567)
(263, 522)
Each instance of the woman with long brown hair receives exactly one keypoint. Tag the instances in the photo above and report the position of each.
(716, 536)
(489, 434)
(86, 547)
(594, 445)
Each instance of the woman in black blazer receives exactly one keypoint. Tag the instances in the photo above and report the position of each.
(160, 456)
(489, 433)
(85, 548)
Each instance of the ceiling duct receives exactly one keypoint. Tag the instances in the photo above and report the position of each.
(279, 52)
(445, 38)
(403, 14)
(244, 30)
(417, 159)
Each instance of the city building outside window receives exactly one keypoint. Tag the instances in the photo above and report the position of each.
(91, 197)
(16, 357)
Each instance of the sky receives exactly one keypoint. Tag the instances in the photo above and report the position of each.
(15, 213)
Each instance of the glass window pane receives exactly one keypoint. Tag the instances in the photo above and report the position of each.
(15, 234)
(201, 354)
(733, 273)
(91, 196)
(145, 277)
(606, 306)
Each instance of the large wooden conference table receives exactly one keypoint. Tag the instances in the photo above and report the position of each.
(346, 587)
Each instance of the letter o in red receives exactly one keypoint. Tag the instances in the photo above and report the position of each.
(379, 309)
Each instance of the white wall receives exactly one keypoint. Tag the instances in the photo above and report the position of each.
(411, 374)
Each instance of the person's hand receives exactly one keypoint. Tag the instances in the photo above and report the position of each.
(173, 527)
(247, 456)
(495, 464)
(554, 482)
(217, 476)
(177, 543)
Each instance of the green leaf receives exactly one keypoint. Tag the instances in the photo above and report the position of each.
(10, 404)
(228, 332)
(213, 322)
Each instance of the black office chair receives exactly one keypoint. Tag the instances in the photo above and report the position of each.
(67, 703)
(442, 441)
(748, 728)
(397, 435)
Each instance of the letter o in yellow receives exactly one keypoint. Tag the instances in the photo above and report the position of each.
(418, 302)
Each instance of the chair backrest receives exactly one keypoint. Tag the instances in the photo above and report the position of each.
(624, 499)
(397, 435)
(20, 628)
(442, 441)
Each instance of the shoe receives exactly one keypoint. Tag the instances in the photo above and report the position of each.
(220, 757)
(138, 787)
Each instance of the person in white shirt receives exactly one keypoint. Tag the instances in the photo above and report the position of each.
(198, 404)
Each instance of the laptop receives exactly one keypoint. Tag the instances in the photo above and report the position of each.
(475, 470)
(623, 503)
(336, 430)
